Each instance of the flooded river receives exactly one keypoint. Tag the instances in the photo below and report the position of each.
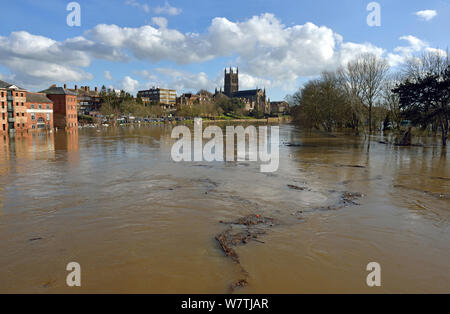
(113, 201)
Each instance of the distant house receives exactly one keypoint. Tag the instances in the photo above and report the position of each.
(88, 100)
(64, 107)
(279, 107)
(162, 96)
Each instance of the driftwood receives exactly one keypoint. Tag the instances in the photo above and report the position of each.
(347, 199)
(240, 232)
(245, 229)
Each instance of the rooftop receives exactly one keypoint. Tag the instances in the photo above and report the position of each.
(246, 93)
(53, 90)
(38, 98)
(7, 85)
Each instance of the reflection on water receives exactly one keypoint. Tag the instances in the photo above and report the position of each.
(112, 200)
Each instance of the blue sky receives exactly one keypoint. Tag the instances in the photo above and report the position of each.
(135, 44)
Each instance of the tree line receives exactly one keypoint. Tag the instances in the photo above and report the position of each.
(122, 103)
(367, 95)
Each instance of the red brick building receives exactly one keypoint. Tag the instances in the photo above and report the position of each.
(39, 112)
(64, 107)
(12, 108)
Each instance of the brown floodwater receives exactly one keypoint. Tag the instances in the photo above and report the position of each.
(112, 200)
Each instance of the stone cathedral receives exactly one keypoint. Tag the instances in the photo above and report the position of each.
(253, 98)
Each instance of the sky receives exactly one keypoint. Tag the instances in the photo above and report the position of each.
(186, 44)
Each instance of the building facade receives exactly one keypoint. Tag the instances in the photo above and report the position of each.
(22, 110)
(279, 108)
(162, 96)
(39, 112)
(89, 100)
(65, 105)
(13, 110)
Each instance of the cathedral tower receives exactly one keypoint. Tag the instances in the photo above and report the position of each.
(231, 82)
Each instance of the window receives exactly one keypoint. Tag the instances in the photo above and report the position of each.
(48, 106)
(23, 114)
(32, 106)
(17, 114)
(40, 106)
(48, 117)
(33, 117)
(21, 94)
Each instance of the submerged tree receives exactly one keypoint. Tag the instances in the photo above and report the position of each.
(367, 74)
(321, 104)
(426, 98)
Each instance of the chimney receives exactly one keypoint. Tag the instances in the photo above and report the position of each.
(85, 88)
(96, 89)
(76, 87)
(65, 86)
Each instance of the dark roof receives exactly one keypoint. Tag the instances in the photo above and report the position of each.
(82, 92)
(38, 98)
(4, 84)
(246, 93)
(58, 91)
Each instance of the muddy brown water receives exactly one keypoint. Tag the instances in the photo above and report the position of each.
(137, 222)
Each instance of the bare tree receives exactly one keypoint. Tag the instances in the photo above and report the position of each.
(349, 80)
(366, 75)
(391, 100)
(432, 62)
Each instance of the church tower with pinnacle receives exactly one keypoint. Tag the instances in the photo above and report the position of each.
(231, 82)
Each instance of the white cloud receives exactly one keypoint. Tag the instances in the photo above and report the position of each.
(265, 47)
(401, 53)
(37, 60)
(268, 52)
(159, 21)
(130, 85)
(186, 81)
(247, 81)
(136, 4)
(108, 75)
(167, 9)
(426, 15)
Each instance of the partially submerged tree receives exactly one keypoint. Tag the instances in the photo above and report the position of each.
(426, 98)
(366, 75)
(321, 104)
(391, 100)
